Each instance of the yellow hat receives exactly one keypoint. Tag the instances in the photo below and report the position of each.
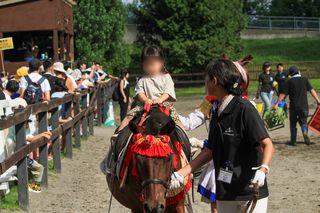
(22, 71)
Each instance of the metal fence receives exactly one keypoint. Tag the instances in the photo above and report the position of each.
(284, 23)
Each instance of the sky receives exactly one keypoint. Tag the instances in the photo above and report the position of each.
(127, 1)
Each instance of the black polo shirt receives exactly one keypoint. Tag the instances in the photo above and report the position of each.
(297, 88)
(234, 139)
(281, 78)
(266, 82)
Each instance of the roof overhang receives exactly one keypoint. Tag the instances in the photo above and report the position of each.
(8, 2)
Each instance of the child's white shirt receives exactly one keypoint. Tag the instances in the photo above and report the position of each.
(155, 86)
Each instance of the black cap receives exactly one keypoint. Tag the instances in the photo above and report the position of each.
(293, 70)
(266, 64)
(34, 65)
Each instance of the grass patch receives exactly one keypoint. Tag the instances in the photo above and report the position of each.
(199, 91)
(10, 201)
(283, 49)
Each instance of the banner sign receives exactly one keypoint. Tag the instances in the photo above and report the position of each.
(314, 123)
(6, 43)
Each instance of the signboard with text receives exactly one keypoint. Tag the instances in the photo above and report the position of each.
(6, 43)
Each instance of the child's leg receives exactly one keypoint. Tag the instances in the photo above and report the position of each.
(214, 208)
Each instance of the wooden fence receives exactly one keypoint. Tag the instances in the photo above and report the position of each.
(84, 114)
(309, 69)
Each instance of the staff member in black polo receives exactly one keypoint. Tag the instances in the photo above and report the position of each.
(239, 144)
(297, 88)
(265, 87)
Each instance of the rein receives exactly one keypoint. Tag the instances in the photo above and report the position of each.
(253, 201)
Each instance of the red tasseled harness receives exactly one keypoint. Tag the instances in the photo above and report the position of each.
(154, 147)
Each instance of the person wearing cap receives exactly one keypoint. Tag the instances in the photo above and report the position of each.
(297, 88)
(265, 87)
(35, 77)
(63, 76)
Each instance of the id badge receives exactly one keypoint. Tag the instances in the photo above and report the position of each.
(225, 176)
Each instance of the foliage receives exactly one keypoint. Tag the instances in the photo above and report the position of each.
(99, 27)
(89, 25)
(191, 32)
(10, 201)
(256, 7)
(309, 8)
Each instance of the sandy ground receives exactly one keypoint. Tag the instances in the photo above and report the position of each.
(294, 182)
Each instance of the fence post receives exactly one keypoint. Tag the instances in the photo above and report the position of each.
(99, 105)
(106, 103)
(56, 148)
(22, 170)
(91, 117)
(68, 133)
(43, 150)
(76, 109)
(84, 106)
(270, 23)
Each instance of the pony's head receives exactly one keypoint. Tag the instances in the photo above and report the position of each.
(153, 155)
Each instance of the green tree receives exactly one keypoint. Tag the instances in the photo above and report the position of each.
(90, 16)
(99, 26)
(117, 52)
(309, 8)
(256, 7)
(191, 32)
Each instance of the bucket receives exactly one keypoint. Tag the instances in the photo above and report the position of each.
(259, 107)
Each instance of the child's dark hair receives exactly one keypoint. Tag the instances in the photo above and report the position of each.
(227, 75)
(12, 86)
(153, 52)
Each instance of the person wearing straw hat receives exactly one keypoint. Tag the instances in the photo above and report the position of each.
(22, 71)
(63, 76)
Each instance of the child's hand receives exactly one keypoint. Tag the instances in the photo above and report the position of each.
(157, 101)
(150, 102)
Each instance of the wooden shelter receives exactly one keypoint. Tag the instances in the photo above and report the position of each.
(39, 28)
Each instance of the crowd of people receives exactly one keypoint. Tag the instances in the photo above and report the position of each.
(42, 82)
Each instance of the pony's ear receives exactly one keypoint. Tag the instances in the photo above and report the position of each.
(168, 128)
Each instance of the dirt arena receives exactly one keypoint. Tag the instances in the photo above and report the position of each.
(294, 181)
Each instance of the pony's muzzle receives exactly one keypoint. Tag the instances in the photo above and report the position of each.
(148, 209)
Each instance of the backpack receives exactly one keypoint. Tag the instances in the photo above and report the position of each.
(116, 91)
(33, 92)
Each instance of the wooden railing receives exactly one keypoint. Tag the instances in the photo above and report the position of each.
(84, 114)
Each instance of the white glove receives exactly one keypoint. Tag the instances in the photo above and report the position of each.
(176, 180)
(196, 143)
(259, 178)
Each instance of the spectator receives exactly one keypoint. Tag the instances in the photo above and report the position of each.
(35, 168)
(35, 80)
(281, 77)
(265, 88)
(12, 88)
(55, 83)
(63, 76)
(124, 89)
(21, 72)
(297, 88)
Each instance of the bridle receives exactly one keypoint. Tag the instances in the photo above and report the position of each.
(147, 182)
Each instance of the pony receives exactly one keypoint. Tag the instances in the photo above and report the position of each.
(156, 147)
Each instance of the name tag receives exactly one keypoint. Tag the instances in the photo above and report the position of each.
(225, 176)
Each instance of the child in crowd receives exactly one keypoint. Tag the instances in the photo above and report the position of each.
(297, 88)
(155, 87)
